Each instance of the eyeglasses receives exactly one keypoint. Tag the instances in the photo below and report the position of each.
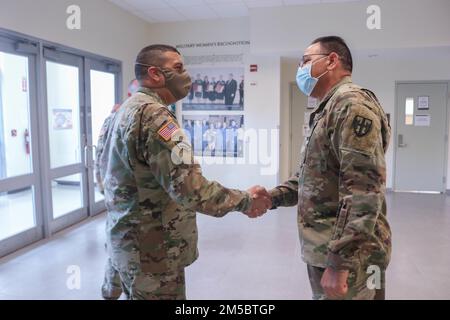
(302, 60)
(178, 69)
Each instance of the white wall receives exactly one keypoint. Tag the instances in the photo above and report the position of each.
(105, 29)
(405, 24)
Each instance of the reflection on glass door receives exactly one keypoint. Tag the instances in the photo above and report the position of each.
(20, 222)
(17, 212)
(47, 155)
(63, 96)
(15, 152)
(103, 97)
(67, 194)
(65, 133)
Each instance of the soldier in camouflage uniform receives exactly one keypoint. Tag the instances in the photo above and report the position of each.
(340, 186)
(111, 288)
(153, 187)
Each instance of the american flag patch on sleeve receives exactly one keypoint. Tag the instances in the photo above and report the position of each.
(167, 130)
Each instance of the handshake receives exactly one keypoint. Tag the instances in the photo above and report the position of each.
(261, 202)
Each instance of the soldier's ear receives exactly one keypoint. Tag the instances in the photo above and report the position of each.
(154, 74)
(334, 60)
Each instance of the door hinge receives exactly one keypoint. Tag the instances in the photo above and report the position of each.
(444, 179)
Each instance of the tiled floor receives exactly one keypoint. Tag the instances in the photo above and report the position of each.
(244, 259)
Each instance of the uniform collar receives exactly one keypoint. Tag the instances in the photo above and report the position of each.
(319, 111)
(346, 79)
(152, 94)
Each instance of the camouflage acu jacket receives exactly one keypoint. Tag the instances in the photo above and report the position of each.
(106, 126)
(340, 185)
(150, 195)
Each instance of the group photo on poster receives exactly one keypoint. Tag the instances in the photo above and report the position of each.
(215, 135)
(216, 89)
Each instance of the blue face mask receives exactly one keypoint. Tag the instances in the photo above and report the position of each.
(305, 81)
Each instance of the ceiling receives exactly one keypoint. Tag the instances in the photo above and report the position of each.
(156, 11)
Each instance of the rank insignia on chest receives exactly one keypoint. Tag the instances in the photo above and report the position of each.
(361, 126)
(167, 130)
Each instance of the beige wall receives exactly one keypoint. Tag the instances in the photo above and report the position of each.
(105, 29)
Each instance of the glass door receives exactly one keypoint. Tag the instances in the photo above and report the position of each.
(102, 94)
(53, 102)
(21, 220)
(66, 136)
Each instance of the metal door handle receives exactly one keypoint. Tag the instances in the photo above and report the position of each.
(94, 150)
(85, 157)
(400, 141)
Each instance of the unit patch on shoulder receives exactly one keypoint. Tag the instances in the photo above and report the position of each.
(361, 126)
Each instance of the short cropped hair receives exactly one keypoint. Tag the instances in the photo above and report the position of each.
(338, 45)
(151, 55)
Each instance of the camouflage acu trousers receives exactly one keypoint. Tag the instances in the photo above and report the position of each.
(146, 286)
(357, 285)
(112, 286)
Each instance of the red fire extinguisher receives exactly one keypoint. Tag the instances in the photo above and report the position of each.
(27, 141)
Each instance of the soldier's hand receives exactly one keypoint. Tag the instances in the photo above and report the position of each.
(334, 283)
(261, 201)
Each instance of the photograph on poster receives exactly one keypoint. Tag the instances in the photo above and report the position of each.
(215, 89)
(215, 135)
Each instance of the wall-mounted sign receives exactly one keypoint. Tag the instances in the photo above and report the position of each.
(253, 68)
(423, 103)
(422, 120)
(214, 44)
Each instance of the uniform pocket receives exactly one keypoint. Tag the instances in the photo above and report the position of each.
(341, 220)
(324, 153)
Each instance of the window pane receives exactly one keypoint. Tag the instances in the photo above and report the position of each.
(409, 111)
(67, 195)
(103, 97)
(15, 141)
(16, 212)
(64, 114)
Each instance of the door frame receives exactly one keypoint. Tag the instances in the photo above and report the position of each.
(2, 147)
(394, 121)
(292, 87)
(96, 208)
(59, 57)
(29, 49)
(24, 44)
